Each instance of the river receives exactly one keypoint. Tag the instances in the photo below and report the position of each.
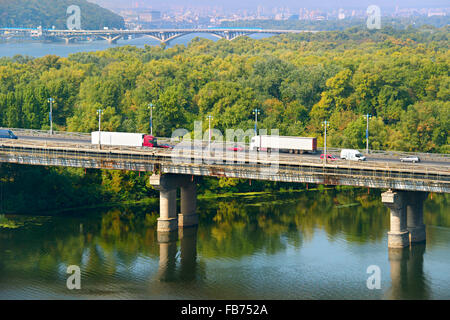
(301, 245)
(39, 49)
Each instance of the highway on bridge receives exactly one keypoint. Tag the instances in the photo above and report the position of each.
(85, 140)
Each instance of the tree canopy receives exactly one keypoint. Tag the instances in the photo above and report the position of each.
(49, 13)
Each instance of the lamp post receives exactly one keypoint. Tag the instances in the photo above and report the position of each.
(150, 106)
(99, 112)
(210, 117)
(51, 101)
(325, 124)
(368, 116)
(256, 112)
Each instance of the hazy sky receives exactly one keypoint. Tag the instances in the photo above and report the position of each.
(236, 4)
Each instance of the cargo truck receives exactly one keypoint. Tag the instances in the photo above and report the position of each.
(283, 144)
(124, 139)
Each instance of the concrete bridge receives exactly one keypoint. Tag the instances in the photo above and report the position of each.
(182, 168)
(162, 35)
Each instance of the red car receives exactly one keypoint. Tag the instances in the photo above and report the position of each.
(236, 148)
(329, 157)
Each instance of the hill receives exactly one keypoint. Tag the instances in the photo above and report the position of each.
(48, 13)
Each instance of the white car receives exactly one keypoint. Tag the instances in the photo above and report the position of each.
(412, 159)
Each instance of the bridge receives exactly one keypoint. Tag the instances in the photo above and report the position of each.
(162, 35)
(407, 185)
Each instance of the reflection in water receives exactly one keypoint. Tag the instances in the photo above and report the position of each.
(188, 245)
(283, 246)
(408, 280)
(167, 270)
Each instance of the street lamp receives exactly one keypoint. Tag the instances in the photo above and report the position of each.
(150, 106)
(99, 112)
(256, 112)
(51, 101)
(325, 124)
(368, 116)
(210, 117)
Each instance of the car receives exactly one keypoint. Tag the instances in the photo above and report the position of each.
(329, 157)
(412, 159)
(7, 134)
(236, 148)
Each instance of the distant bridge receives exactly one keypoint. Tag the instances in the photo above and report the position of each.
(162, 35)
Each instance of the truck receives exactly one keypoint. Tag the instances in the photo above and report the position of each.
(283, 144)
(352, 154)
(124, 139)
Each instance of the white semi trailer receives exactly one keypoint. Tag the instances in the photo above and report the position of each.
(284, 144)
(123, 139)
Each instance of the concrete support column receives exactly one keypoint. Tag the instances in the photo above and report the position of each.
(414, 213)
(188, 216)
(398, 236)
(167, 220)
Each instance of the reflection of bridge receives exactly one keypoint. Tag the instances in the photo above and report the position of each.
(408, 185)
(162, 35)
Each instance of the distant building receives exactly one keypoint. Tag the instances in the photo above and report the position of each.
(151, 16)
(436, 13)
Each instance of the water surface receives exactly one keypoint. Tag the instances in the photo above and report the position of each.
(307, 245)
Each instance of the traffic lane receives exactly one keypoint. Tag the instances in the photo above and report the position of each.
(294, 157)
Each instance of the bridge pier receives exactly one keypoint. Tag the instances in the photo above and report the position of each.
(188, 216)
(168, 184)
(398, 236)
(167, 220)
(406, 210)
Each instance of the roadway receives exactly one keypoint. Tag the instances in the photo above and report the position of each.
(282, 156)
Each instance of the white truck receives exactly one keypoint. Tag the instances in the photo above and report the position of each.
(283, 144)
(123, 139)
(352, 154)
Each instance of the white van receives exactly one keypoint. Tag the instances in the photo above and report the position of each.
(352, 154)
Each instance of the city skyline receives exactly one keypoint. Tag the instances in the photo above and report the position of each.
(253, 4)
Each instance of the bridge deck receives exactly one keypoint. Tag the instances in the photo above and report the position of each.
(258, 166)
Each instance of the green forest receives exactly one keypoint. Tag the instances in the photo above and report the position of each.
(49, 13)
(400, 77)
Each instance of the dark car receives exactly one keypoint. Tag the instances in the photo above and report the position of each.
(7, 134)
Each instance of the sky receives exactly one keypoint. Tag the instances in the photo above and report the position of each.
(239, 4)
